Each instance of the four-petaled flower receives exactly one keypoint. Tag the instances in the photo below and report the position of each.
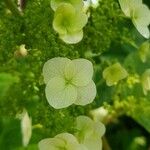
(139, 14)
(68, 82)
(63, 141)
(114, 73)
(90, 132)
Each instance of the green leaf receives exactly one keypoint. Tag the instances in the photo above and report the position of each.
(141, 113)
(6, 80)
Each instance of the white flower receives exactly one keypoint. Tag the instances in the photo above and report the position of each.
(68, 82)
(114, 73)
(89, 133)
(63, 141)
(26, 128)
(139, 14)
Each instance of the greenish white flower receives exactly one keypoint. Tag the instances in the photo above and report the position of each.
(89, 133)
(63, 141)
(26, 128)
(114, 73)
(77, 4)
(139, 14)
(68, 23)
(68, 82)
(144, 51)
(146, 81)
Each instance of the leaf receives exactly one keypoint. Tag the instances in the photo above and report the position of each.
(141, 113)
(6, 80)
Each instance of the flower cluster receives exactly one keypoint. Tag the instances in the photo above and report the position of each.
(88, 137)
(137, 11)
(69, 19)
(68, 82)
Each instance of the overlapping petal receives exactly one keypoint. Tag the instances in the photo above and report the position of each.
(60, 94)
(84, 72)
(72, 38)
(86, 94)
(114, 73)
(54, 67)
(51, 144)
(78, 4)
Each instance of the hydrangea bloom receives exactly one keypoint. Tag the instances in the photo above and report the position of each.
(63, 141)
(114, 73)
(146, 81)
(78, 4)
(90, 133)
(68, 82)
(26, 128)
(69, 22)
(139, 13)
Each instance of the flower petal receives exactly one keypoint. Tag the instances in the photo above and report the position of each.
(84, 72)
(72, 38)
(59, 94)
(93, 143)
(86, 94)
(78, 4)
(139, 14)
(143, 30)
(51, 144)
(128, 5)
(54, 67)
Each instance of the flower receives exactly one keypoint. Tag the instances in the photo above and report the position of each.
(114, 73)
(78, 4)
(144, 51)
(69, 22)
(89, 133)
(146, 81)
(63, 141)
(68, 82)
(26, 128)
(139, 14)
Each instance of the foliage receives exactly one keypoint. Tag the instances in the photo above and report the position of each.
(109, 38)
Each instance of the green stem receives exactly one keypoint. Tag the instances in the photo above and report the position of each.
(13, 8)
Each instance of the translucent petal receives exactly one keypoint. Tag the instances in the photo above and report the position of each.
(79, 22)
(67, 138)
(93, 143)
(128, 5)
(54, 67)
(143, 30)
(84, 127)
(70, 71)
(51, 144)
(114, 73)
(59, 94)
(78, 4)
(141, 15)
(99, 129)
(64, 18)
(72, 38)
(124, 4)
(57, 24)
(86, 94)
(84, 72)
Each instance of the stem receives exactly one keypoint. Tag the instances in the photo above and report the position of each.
(132, 43)
(13, 8)
(106, 145)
